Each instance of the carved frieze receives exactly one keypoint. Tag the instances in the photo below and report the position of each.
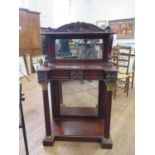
(81, 27)
(76, 75)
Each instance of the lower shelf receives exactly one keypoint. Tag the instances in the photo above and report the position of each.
(82, 130)
(78, 127)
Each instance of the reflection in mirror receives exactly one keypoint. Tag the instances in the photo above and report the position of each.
(78, 48)
(83, 95)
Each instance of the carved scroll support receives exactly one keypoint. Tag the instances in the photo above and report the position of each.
(76, 75)
(110, 80)
(110, 85)
(44, 86)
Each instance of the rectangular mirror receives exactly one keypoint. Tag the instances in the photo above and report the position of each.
(79, 100)
(79, 48)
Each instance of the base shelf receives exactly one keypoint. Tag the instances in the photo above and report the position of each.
(78, 127)
(79, 130)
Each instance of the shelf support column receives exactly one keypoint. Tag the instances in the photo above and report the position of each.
(106, 141)
(48, 141)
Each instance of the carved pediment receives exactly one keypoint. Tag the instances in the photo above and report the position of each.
(81, 27)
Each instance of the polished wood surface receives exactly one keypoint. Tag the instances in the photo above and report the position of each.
(24, 41)
(78, 127)
(82, 66)
(122, 120)
(29, 34)
(47, 112)
(79, 111)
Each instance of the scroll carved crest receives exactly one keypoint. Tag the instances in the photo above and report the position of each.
(81, 27)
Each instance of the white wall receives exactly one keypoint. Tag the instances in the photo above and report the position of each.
(55, 13)
(111, 9)
(80, 10)
(45, 7)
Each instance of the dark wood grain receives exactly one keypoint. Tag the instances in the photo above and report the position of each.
(78, 111)
(102, 99)
(78, 127)
(47, 113)
(55, 95)
(108, 113)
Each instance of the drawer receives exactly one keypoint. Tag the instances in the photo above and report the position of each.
(77, 74)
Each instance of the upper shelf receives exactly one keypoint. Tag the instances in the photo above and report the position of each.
(79, 28)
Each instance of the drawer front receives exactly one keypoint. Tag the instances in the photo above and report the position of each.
(77, 74)
(94, 74)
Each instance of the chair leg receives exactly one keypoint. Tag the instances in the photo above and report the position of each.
(133, 74)
(126, 82)
(127, 89)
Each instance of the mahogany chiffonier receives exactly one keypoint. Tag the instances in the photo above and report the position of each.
(78, 51)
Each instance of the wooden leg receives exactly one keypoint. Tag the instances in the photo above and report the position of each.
(132, 82)
(108, 113)
(101, 99)
(127, 89)
(48, 141)
(106, 143)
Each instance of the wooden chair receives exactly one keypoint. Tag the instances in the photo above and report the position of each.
(121, 59)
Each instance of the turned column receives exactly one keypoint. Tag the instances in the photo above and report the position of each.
(48, 138)
(110, 82)
(101, 99)
(109, 88)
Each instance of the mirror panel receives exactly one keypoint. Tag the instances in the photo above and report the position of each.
(83, 95)
(79, 48)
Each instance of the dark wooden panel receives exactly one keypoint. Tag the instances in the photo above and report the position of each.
(78, 111)
(102, 99)
(47, 113)
(78, 127)
(79, 138)
(66, 74)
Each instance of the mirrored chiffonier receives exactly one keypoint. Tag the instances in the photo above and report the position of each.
(77, 51)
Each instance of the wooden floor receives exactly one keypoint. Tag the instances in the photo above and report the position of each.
(85, 94)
